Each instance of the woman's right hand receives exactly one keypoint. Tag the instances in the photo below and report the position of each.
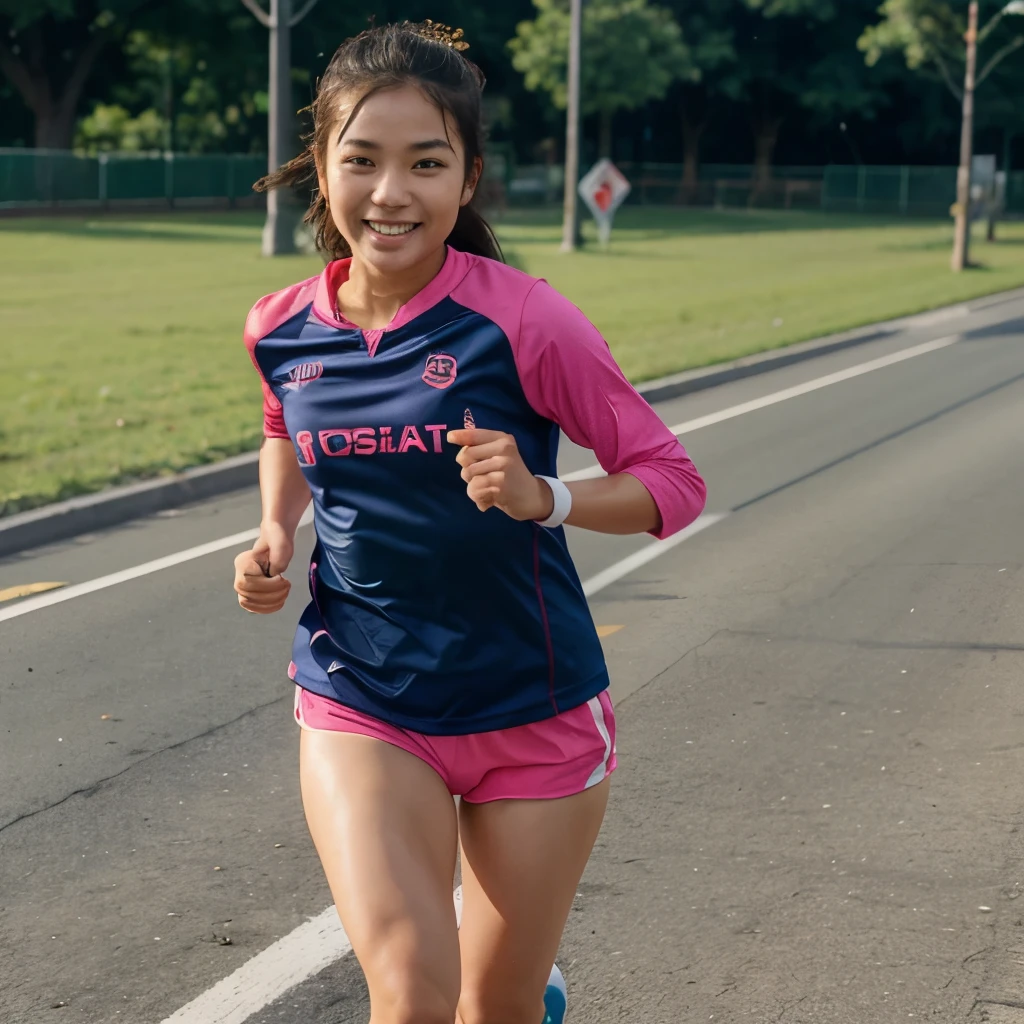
(259, 584)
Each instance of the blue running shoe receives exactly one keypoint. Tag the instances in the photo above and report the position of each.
(555, 997)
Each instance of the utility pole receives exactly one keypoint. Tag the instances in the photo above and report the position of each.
(282, 215)
(570, 209)
(962, 231)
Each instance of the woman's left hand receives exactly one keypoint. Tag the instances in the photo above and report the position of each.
(496, 475)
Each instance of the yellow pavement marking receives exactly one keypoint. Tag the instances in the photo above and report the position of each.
(608, 630)
(28, 588)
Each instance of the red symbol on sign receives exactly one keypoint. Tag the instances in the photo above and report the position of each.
(603, 197)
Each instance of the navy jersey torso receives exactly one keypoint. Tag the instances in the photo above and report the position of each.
(425, 612)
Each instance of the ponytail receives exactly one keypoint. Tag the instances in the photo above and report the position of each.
(474, 235)
(302, 171)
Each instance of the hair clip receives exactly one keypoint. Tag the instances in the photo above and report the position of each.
(443, 34)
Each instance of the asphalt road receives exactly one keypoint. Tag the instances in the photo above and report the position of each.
(820, 733)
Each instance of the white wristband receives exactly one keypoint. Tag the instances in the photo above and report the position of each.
(563, 502)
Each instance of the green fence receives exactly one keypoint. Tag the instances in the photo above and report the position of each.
(726, 185)
(50, 178)
(1015, 193)
(906, 190)
(657, 184)
(923, 191)
(39, 178)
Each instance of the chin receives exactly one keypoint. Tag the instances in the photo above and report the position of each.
(398, 258)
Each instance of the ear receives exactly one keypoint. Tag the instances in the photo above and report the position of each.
(469, 188)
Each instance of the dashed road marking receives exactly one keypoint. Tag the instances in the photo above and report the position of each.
(26, 589)
(603, 631)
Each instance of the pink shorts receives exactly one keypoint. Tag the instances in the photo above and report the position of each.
(557, 757)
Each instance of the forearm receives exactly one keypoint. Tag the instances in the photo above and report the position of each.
(284, 492)
(613, 504)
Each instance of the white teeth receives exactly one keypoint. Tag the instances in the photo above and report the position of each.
(390, 229)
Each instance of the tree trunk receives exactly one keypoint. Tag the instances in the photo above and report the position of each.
(55, 125)
(766, 135)
(962, 223)
(692, 133)
(54, 107)
(998, 207)
(605, 138)
(693, 119)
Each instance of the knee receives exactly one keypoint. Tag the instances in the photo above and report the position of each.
(492, 1008)
(413, 1008)
(409, 997)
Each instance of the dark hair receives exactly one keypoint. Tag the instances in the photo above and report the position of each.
(425, 55)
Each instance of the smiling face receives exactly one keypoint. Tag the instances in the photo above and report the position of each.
(394, 175)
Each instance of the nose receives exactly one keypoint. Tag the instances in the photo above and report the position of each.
(391, 190)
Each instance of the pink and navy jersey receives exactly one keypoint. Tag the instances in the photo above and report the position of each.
(425, 612)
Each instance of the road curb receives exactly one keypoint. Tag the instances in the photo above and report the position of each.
(65, 519)
(108, 508)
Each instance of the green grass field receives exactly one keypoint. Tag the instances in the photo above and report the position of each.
(122, 334)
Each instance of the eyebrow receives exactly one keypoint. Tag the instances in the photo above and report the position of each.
(417, 146)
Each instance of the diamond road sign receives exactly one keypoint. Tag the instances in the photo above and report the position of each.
(603, 188)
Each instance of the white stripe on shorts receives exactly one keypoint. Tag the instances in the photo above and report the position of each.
(597, 710)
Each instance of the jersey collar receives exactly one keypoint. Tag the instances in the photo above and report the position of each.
(325, 302)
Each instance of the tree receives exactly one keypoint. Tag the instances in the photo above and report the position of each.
(111, 128)
(48, 49)
(935, 38)
(771, 62)
(1002, 111)
(801, 55)
(180, 95)
(707, 27)
(632, 52)
(930, 35)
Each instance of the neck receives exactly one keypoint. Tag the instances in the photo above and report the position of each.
(371, 299)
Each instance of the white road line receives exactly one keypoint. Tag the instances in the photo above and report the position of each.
(591, 472)
(300, 954)
(46, 600)
(648, 553)
(102, 582)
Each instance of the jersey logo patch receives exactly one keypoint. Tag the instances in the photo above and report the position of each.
(441, 370)
(304, 373)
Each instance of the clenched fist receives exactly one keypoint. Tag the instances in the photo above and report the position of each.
(259, 584)
(496, 475)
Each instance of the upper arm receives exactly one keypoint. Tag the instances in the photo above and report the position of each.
(273, 413)
(569, 375)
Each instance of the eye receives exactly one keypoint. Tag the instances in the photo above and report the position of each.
(359, 161)
(429, 164)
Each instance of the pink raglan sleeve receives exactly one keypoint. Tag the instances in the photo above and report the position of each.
(273, 414)
(570, 376)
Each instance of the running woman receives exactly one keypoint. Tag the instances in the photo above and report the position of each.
(415, 390)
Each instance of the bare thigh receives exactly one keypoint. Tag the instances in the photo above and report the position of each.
(385, 827)
(521, 863)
